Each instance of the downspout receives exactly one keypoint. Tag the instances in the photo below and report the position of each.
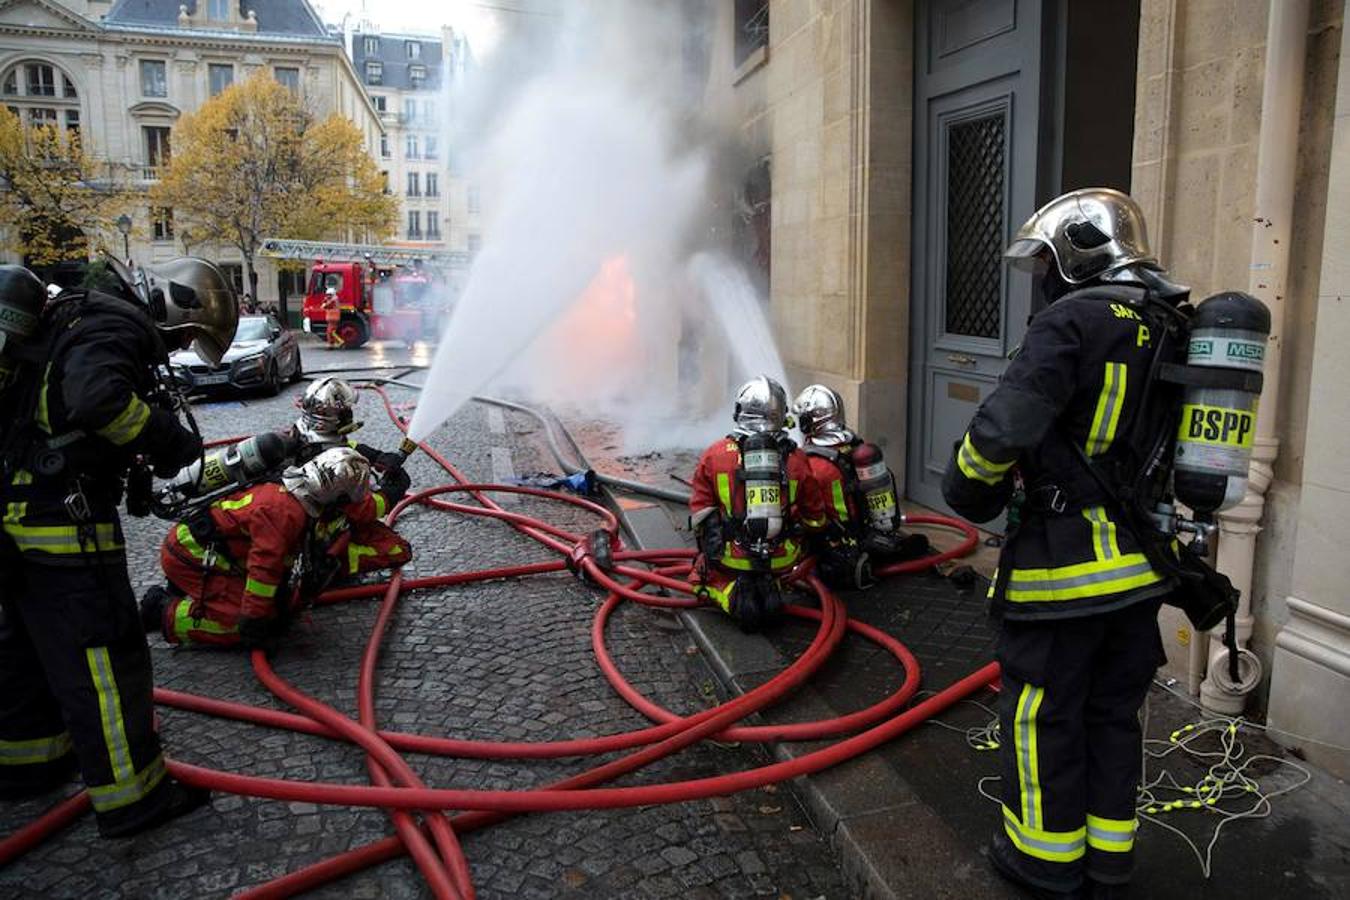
(1272, 227)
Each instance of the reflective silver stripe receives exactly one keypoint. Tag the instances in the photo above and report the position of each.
(1048, 845)
(1024, 583)
(125, 792)
(1103, 530)
(110, 711)
(35, 750)
(1111, 835)
(1107, 415)
(974, 465)
(1025, 740)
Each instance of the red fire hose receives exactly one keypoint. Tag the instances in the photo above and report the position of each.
(395, 787)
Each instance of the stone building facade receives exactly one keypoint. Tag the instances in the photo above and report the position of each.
(124, 72)
(905, 141)
(411, 79)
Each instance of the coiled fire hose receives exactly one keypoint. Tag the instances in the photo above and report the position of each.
(396, 788)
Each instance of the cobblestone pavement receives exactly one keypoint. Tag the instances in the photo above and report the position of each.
(502, 660)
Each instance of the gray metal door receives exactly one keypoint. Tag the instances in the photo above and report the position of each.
(978, 112)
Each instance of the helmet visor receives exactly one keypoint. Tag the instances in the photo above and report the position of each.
(1025, 254)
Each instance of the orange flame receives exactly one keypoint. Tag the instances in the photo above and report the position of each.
(596, 339)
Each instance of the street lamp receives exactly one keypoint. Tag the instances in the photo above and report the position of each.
(124, 226)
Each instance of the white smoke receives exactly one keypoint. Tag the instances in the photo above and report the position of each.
(597, 191)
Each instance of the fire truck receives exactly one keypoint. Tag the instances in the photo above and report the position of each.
(383, 293)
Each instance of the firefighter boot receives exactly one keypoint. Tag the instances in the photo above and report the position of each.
(179, 800)
(153, 602)
(1003, 857)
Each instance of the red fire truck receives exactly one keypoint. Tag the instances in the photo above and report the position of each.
(384, 293)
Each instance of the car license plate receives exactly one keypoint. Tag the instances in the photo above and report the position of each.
(213, 378)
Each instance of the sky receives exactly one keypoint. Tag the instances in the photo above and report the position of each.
(478, 19)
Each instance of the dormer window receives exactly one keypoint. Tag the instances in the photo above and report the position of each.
(417, 76)
(374, 72)
(414, 49)
(218, 10)
(372, 46)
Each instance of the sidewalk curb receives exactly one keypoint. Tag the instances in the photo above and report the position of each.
(889, 843)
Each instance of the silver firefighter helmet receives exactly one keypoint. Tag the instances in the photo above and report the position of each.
(334, 478)
(190, 299)
(820, 416)
(326, 411)
(761, 406)
(1089, 232)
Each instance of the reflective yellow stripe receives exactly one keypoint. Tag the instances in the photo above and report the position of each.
(1111, 835)
(1028, 762)
(183, 622)
(260, 588)
(724, 491)
(240, 503)
(189, 543)
(381, 506)
(23, 476)
(1090, 579)
(974, 466)
(15, 512)
(110, 712)
(1109, 404)
(43, 419)
(124, 792)
(35, 750)
(1052, 846)
(1104, 543)
(129, 422)
(354, 553)
(784, 560)
(720, 596)
(62, 539)
(792, 490)
(840, 504)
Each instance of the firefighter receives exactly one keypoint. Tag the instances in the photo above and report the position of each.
(858, 490)
(230, 566)
(332, 313)
(1076, 595)
(75, 671)
(753, 496)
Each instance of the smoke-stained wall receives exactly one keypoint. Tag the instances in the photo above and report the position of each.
(829, 102)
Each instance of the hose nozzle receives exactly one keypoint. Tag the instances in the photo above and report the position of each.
(407, 448)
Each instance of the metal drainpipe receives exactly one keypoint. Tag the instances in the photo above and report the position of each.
(1276, 166)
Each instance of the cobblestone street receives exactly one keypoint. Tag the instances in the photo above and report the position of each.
(505, 660)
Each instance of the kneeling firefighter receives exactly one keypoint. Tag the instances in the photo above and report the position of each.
(858, 490)
(86, 409)
(1084, 440)
(753, 496)
(326, 421)
(241, 569)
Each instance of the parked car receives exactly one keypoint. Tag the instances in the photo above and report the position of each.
(263, 357)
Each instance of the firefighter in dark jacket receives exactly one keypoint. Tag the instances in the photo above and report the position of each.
(1076, 597)
(75, 672)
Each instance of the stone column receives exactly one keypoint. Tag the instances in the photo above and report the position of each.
(1310, 681)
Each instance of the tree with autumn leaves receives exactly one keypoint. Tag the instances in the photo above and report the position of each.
(254, 162)
(56, 202)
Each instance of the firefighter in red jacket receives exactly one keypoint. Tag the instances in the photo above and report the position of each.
(753, 494)
(231, 568)
(858, 492)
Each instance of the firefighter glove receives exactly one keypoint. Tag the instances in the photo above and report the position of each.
(169, 445)
(394, 483)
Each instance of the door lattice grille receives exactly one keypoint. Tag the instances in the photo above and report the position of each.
(975, 178)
